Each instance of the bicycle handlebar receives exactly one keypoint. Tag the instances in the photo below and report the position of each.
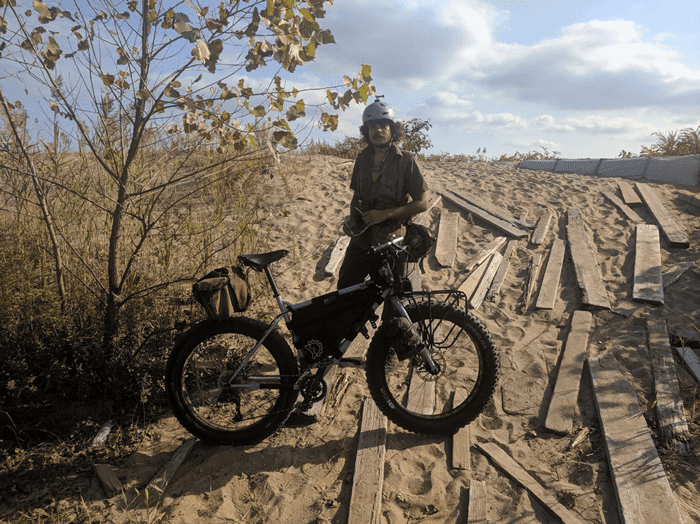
(381, 248)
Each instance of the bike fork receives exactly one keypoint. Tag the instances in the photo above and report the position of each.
(433, 368)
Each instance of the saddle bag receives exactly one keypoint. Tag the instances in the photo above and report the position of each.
(223, 292)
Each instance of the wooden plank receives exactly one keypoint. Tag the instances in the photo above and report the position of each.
(562, 407)
(486, 279)
(502, 272)
(690, 199)
(446, 243)
(691, 361)
(552, 275)
(422, 217)
(672, 276)
(648, 286)
(485, 253)
(368, 479)
(588, 275)
(472, 281)
(642, 491)
(476, 512)
(670, 414)
(421, 395)
(535, 262)
(461, 441)
(674, 234)
(337, 255)
(493, 209)
(109, 480)
(626, 210)
(522, 477)
(159, 483)
(629, 195)
(487, 217)
(541, 228)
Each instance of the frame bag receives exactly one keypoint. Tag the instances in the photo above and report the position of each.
(223, 292)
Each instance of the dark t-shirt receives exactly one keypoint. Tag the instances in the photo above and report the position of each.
(399, 177)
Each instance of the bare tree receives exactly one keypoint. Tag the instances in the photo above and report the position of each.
(179, 76)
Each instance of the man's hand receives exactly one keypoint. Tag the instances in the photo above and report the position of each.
(376, 216)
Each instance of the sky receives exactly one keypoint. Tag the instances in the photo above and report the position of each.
(587, 79)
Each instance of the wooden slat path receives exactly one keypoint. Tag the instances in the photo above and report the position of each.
(337, 255)
(541, 228)
(642, 490)
(151, 493)
(690, 199)
(691, 361)
(421, 395)
(476, 512)
(670, 414)
(472, 281)
(368, 479)
(522, 477)
(647, 286)
(628, 211)
(446, 244)
(672, 276)
(422, 217)
(562, 407)
(502, 272)
(495, 210)
(588, 274)
(674, 234)
(629, 195)
(477, 268)
(461, 441)
(552, 275)
(535, 262)
(485, 253)
(487, 217)
(486, 279)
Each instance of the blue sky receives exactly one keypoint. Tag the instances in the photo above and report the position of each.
(587, 79)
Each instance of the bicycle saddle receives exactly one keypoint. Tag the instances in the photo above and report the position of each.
(262, 260)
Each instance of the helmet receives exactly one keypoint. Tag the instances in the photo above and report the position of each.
(378, 112)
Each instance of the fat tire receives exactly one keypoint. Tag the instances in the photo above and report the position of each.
(445, 420)
(279, 354)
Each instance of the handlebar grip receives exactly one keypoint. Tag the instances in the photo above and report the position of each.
(381, 248)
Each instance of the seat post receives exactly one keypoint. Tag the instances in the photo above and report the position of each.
(271, 280)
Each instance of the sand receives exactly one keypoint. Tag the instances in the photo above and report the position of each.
(303, 474)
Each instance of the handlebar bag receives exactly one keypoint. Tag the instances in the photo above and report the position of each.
(223, 292)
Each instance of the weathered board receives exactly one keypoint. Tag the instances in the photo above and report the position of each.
(477, 268)
(151, 493)
(368, 479)
(500, 277)
(476, 512)
(672, 276)
(422, 217)
(541, 228)
(691, 361)
(446, 243)
(552, 274)
(628, 211)
(494, 209)
(629, 195)
(421, 395)
(485, 253)
(670, 414)
(535, 262)
(642, 490)
(486, 279)
(588, 274)
(522, 477)
(562, 407)
(674, 234)
(337, 256)
(487, 217)
(647, 286)
(461, 441)
(690, 199)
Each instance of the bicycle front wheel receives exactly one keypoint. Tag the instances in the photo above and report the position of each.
(223, 392)
(441, 401)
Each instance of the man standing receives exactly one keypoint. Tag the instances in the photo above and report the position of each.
(383, 179)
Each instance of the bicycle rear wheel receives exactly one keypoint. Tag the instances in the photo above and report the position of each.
(217, 406)
(435, 403)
